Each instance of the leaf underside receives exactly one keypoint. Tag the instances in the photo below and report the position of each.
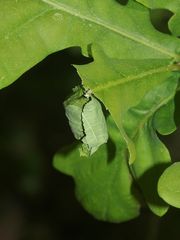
(131, 75)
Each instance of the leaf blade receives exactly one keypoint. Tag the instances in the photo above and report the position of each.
(168, 187)
(42, 28)
(103, 181)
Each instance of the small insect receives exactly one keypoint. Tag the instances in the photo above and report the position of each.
(86, 120)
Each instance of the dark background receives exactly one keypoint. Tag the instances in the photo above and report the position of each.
(36, 201)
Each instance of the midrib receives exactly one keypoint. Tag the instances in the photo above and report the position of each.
(109, 26)
(129, 78)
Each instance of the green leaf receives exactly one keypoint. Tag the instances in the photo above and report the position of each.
(141, 122)
(137, 52)
(124, 85)
(131, 60)
(172, 5)
(169, 185)
(103, 182)
(31, 30)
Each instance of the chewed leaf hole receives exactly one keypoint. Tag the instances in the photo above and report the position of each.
(160, 19)
(122, 2)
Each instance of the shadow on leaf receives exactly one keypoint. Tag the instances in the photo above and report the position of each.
(148, 185)
(122, 2)
(160, 18)
(111, 150)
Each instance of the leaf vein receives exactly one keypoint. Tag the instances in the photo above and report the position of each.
(19, 28)
(128, 79)
(96, 20)
(150, 114)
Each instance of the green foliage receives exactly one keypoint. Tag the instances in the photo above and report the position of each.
(171, 5)
(151, 155)
(134, 74)
(169, 185)
(103, 181)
